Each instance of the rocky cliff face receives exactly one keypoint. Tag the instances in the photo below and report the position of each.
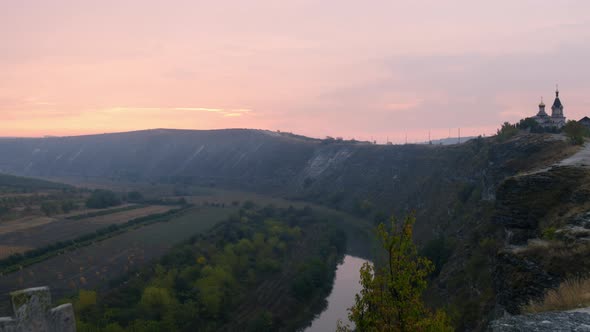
(545, 322)
(544, 215)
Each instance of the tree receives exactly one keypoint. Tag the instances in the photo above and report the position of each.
(531, 124)
(156, 301)
(391, 297)
(101, 199)
(576, 132)
(506, 131)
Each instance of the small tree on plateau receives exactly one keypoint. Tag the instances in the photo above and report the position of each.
(391, 297)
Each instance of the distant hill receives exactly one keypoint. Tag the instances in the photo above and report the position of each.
(450, 140)
(28, 184)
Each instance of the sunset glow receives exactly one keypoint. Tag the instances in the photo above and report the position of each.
(377, 70)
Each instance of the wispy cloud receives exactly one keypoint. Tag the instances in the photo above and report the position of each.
(225, 112)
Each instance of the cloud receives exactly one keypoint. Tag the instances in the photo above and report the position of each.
(165, 110)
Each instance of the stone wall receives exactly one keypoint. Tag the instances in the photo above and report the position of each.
(33, 312)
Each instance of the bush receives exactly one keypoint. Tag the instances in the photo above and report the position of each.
(101, 199)
(576, 132)
(571, 294)
(506, 131)
(530, 124)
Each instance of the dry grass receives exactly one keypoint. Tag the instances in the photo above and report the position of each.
(24, 223)
(6, 251)
(571, 294)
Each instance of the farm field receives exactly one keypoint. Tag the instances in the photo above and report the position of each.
(34, 220)
(121, 217)
(92, 266)
(42, 231)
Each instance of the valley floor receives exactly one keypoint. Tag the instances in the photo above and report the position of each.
(95, 265)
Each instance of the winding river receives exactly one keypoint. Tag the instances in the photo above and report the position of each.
(346, 285)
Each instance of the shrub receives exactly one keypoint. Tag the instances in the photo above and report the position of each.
(576, 132)
(101, 199)
(571, 294)
(506, 131)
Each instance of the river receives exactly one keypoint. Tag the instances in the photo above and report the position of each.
(346, 285)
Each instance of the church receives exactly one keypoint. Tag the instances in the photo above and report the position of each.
(556, 119)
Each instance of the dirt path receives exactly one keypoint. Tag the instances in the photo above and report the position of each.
(579, 159)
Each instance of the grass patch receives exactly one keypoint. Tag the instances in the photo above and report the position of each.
(571, 294)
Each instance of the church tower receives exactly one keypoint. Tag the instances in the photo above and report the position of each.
(542, 109)
(557, 111)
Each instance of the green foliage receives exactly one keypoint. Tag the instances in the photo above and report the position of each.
(312, 275)
(100, 199)
(533, 126)
(391, 296)
(199, 285)
(86, 300)
(262, 323)
(549, 233)
(156, 301)
(507, 131)
(438, 251)
(576, 132)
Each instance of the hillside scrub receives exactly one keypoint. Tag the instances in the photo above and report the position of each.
(506, 131)
(101, 199)
(576, 132)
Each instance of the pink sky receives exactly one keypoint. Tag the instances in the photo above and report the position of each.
(378, 68)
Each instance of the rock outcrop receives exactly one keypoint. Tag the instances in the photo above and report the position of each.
(544, 217)
(543, 322)
(33, 312)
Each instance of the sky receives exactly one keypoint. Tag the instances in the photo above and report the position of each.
(374, 69)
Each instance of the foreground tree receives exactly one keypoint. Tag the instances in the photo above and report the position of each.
(391, 298)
